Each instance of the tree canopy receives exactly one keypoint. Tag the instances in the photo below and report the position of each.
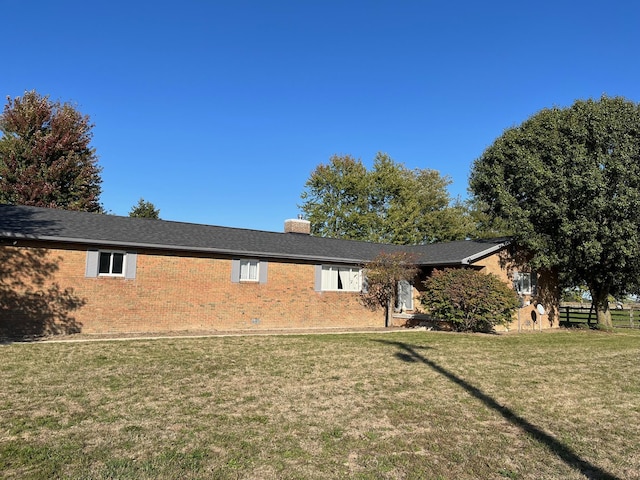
(388, 204)
(45, 156)
(567, 182)
(144, 209)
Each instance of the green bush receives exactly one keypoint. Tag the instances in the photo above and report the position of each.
(470, 300)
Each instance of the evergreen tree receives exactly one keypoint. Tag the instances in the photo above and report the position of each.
(145, 209)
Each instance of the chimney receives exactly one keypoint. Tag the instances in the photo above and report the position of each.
(297, 225)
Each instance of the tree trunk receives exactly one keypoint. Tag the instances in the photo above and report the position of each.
(603, 314)
(600, 300)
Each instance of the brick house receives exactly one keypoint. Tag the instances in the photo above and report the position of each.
(69, 271)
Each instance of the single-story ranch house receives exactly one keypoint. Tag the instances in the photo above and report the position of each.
(65, 271)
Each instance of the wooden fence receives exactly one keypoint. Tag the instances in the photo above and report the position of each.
(571, 316)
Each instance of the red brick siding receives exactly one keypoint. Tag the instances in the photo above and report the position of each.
(181, 292)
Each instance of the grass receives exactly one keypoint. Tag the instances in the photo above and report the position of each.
(367, 406)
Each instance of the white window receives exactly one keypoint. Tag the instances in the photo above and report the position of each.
(524, 283)
(249, 271)
(111, 263)
(335, 278)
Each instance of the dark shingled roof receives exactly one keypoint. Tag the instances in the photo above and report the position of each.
(98, 230)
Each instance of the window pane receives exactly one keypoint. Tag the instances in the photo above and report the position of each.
(350, 279)
(356, 280)
(244, 270)
(534, 282)
(105, 262)
(517, 282)
(118, 262)
(341, 278)
(524, 283)
(329, 278)
(249, 270)
(405, 295)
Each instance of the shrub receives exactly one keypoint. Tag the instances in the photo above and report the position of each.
(470, 300)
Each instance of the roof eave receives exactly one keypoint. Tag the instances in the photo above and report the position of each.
(180, 248)
(485, 253)
(231, 252)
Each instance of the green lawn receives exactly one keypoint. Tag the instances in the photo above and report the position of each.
(369, 406)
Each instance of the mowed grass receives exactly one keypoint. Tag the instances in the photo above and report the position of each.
(414, 405)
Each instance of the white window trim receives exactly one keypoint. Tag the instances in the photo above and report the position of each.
(111, 252)
(325, 271)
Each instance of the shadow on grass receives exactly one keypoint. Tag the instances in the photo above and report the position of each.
(410, 353)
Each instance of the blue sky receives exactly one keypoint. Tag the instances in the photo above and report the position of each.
(218, 111)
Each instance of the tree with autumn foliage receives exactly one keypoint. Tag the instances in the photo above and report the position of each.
(45, 155)
(382, 276)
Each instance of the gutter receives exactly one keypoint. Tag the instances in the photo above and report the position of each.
(472, 258)
(155, 246)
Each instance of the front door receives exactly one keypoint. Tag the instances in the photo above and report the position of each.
(404, 299)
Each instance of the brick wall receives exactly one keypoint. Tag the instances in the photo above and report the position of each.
(45, 290)
(177, 292)
(527, 318)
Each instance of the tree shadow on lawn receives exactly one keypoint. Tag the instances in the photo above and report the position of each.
(409, 353)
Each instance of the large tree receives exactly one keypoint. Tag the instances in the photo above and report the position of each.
(45, 155)
(389, 203)
(567, 181)
(336, 199)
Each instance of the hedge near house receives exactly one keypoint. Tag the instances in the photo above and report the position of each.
(470, 300)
